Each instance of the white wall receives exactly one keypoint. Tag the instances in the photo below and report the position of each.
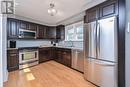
(3, 54)
(1, 76)
(128, 46)
(1, 69)
(4, 47)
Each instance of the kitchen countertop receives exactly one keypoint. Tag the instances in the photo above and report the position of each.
(75, 48)
(12, 48)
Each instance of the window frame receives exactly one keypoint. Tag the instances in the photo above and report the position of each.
(74, 27)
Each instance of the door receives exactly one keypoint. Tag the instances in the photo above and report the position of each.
(107, 39)
(92, 14)
(41, 30)
(12, 28)
(51, 32)
(78, 60)
(60, 32)
(101, 73)
(24, 25)
(44, 54)
(90, 47)
(91, 43)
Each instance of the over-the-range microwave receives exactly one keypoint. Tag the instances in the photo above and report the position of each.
(29, 34)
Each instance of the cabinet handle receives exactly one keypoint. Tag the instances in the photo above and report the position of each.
(13, 54)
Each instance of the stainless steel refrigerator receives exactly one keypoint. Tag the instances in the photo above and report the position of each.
(100, 47)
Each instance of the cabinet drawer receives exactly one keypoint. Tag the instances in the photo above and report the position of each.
(14, 51)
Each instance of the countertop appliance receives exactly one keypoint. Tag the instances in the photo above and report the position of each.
(100, 63)
(78, 59)
(11, 44)
(29, 34)
(28, 57)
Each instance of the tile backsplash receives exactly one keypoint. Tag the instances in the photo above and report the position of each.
(74, 43)
(36, 43)
(31, 43)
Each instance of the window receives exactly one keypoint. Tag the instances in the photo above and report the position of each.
(74, 32)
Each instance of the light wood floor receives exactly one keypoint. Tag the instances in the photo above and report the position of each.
(49, 74)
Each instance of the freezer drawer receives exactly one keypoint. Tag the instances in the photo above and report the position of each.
(101, 73)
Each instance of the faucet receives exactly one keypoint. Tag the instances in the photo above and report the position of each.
(71, 43)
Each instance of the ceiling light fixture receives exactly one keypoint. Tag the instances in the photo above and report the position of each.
(52, 11)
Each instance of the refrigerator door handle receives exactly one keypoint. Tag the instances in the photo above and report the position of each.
(98, 39)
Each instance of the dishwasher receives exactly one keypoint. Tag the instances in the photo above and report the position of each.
(78, 59)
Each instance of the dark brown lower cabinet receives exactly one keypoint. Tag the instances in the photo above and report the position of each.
(12, 60)
(45, 54)
(63, 56)
(60, 55)
(67, 58)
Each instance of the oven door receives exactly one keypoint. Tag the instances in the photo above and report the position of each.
(26, 57)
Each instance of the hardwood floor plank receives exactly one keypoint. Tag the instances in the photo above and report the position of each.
(49, 74)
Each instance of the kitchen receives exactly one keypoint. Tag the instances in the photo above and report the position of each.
(88, 45)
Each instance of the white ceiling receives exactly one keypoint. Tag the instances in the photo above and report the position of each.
(37, 9)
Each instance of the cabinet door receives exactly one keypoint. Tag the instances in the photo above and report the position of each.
(44, 54)
(51, 32)
(41, 32)
(92, 14)
(109, 8)
(58, 57)
(53, 53)
(32, 26)
(12, 28)
(12, 62)
(60, 32)
(67, 58)
(24, 24)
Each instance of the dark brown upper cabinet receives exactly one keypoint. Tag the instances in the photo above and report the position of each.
(27, 25)
(33, 26)
(92, 14)
(103, 10)
(60, 32)
(41, 32)
(51, 32)
(23, 24)
(12, 28)
(109, 8)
